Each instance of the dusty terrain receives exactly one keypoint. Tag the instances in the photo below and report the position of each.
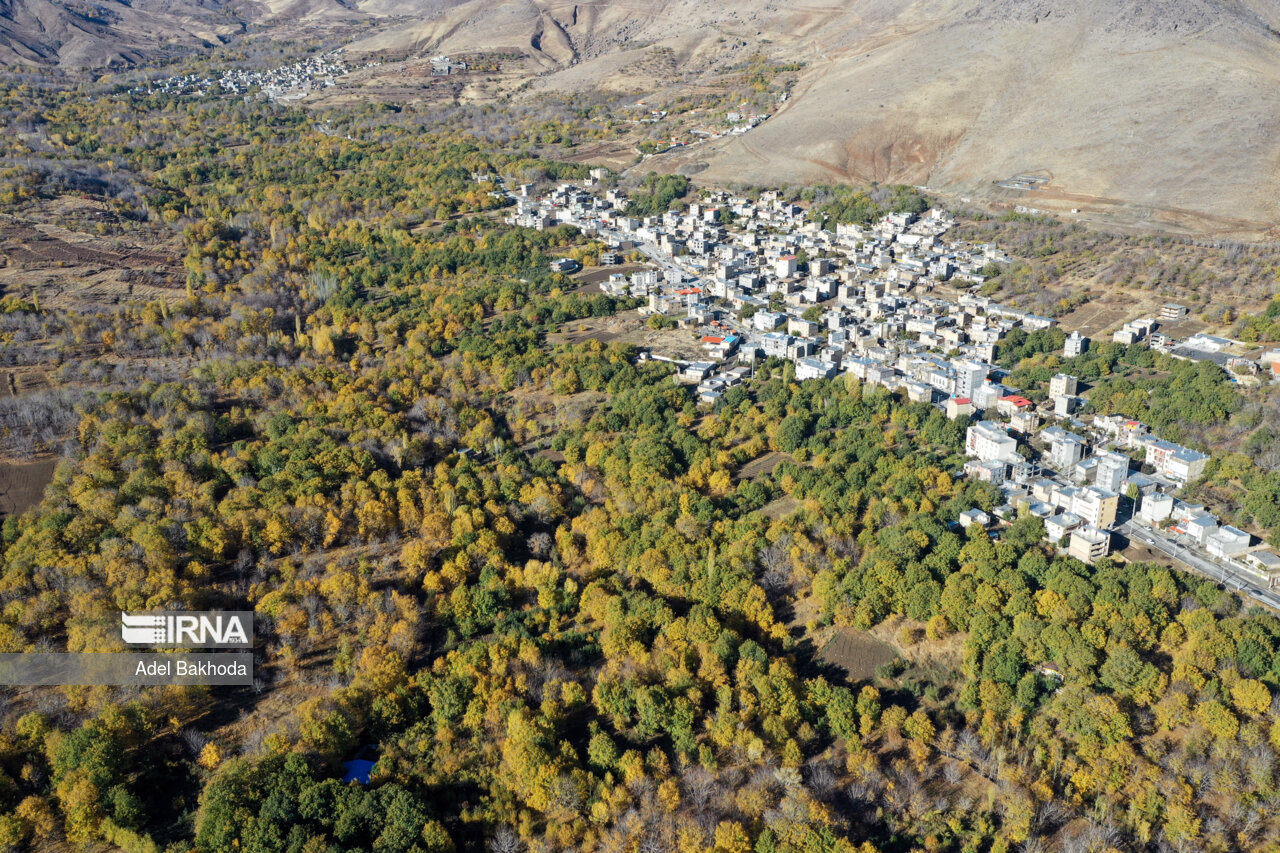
(69, 252)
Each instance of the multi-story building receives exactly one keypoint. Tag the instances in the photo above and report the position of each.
(1063, 385)
(1076, 344)
(987, 440)
(1156, 507)
(969, 375)
(1096, 506)
(1178, 463)
(1111, 472)
(1088, 544)
(1065, 448)
(1058, 526)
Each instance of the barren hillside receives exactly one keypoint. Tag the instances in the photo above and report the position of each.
(1140, 113)
(1159, 112)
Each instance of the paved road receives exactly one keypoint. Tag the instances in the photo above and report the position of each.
(1247, 584)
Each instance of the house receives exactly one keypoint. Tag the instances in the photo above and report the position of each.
(803, 328)
(959, 407)
(1227, 541)
(1156, 507)
(1040, 509)
(695, 371)
(1025, 421)
(776, 344)
(767, 321)
(1178, 463)
(1012, 403)
(1059, 526)
(1137, 480)
(1043, 489)
(1022, 471)
(565, 265)
(812, 368)
(986, 395)
(1075, 345)
(918, 392)
(987, 440)
(1086, 470)
(1122, 430)
(1200, 528)
(1185, 465)
(1088, 544)
(974, 516)
(1173, 311)
(1266, 562)
(990, 471)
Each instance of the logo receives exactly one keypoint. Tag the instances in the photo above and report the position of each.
(186, 629)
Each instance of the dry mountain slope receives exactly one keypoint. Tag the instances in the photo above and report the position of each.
(1170, 108)
(1155, 112)
(107, 33)
(1161, 112)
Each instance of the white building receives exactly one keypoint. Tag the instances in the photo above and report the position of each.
(767, 321)
(1058, 526)
(1065, 448)
(1201, 528)
(812, 368)
(988, 440)
(1112, 470)
(969, 375)
(1156, 507)
(1185, 465)
(1227, 541)
(1076, 344)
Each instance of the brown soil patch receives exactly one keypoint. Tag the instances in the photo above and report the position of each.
(761, 466)
(22, 484)
(68, 268)
(856, 652)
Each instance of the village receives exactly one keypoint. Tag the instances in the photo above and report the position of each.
(285, 83)
(760, 279)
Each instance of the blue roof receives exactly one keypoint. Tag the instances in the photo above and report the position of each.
(357, 770)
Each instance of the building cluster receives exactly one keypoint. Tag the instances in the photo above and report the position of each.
(759, 277)
(1072, 474)
(443, 66)
(287, 82)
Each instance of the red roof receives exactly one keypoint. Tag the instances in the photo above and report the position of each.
(712, 339)
(688, 291)
(961, 401)
(1017, 400)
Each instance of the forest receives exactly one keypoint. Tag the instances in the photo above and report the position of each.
(533, 580)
